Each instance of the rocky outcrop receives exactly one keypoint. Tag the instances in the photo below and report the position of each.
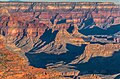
(99, 14)
(44, 29)
(90, 77)
(10, 68)
(55, 42)
(94, 50)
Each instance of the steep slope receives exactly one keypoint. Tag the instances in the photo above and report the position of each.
(52, 36)
(100, 31)
(54, 42)
(94, 50)
(10, 68)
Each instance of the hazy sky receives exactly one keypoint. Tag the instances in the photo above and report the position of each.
(116, 1)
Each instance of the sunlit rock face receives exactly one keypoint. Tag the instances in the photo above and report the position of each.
(16, 66)
(59, 35)
(97, 50)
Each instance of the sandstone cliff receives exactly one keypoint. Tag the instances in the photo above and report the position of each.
(94, 50)
(30, 36)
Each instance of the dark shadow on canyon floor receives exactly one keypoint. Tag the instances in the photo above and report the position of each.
(98, 31)
(96, 65)
(117, 77)
(40, 60)
(101, 65)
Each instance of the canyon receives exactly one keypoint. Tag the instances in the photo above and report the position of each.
(59, 40)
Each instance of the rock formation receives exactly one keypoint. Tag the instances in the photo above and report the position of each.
(10, 68)
(94, 50)
(60, 37)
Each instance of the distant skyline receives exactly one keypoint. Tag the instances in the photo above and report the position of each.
(115, 1)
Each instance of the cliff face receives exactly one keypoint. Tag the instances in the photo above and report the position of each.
(86, 14)
(51, 36)
(96, 50)
(10, 68)
(103, 14)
